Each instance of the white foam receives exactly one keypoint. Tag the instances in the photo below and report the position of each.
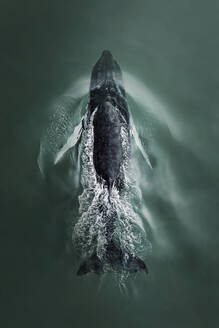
(89, 233)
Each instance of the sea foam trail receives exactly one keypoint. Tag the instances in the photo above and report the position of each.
(95, 207)
(88, 229)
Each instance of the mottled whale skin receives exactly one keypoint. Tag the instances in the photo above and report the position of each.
(107, 95)
(109, 105)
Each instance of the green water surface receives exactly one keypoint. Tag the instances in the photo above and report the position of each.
(172, 48)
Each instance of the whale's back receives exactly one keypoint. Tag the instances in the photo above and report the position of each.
(107, 152)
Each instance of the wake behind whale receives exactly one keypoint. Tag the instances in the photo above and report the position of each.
(108, 235)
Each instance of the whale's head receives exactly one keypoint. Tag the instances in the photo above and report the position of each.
(106, 85)
(106, 73)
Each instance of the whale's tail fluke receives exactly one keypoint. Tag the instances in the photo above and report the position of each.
(115, 261)
(93, 264)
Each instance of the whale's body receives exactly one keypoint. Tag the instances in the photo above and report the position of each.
(108, 110)
(107, 143)
(107, 97)
(94, 157)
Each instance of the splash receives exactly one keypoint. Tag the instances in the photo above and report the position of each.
(89, 228)
(97, 210)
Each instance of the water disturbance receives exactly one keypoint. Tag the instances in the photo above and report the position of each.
(96, 208)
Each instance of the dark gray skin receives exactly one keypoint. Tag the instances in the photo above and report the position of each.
(107, 143)
(108, 98)
(106, 94)
(107, 85)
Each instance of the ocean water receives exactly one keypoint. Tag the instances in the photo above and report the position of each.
(168, 52)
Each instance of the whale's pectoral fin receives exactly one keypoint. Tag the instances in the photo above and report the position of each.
(139, 144)
(71, 142)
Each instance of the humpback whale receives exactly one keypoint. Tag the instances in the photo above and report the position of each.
(108, 110)
(107, 234)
